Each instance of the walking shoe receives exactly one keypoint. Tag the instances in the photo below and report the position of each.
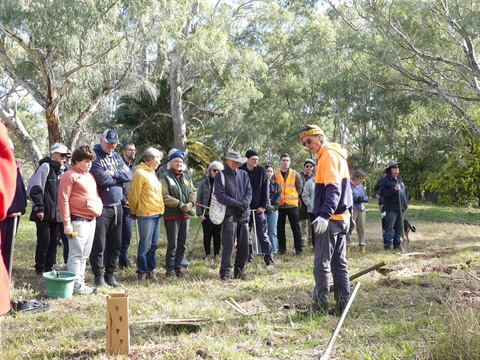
(349, 249)
(298, 252)
(99, 280)
(179, 273)
(85, 290)
(152, 276)
(387, 247)
(338, 309)
(362, 250)
(169, 273)
(282, 252)
(397, 247)
(141, 277)
(225, 277)
(316, 310)
(239, 274)
(111, 281)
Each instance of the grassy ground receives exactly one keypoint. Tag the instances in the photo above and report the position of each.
(423, 305)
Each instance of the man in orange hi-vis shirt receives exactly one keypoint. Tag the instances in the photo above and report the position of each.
(332, 209)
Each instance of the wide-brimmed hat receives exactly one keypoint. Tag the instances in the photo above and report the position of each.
(392, 163)
(234, 156)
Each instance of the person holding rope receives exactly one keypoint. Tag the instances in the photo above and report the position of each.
(204, 197)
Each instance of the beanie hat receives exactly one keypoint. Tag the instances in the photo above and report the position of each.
(176, 154)
(251, 153)
(309, 130)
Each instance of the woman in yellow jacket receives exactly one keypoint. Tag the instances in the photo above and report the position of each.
(146, 203)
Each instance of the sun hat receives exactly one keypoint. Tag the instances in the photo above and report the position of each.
(392, 163)
(234, 156)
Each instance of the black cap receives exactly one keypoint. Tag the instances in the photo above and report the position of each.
(250, 153)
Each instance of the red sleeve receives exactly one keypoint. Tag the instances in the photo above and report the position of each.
(8, 182)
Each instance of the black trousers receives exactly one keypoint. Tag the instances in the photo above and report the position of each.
(211, 230)
(108, 237)
(293, 219)
(46, 251)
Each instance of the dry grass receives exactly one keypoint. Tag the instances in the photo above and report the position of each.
(424, 306)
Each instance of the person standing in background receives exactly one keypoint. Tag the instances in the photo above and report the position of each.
(128, 155)
(79, 205)
(305, 224)
(110, 173)
(272, 208)
(42, 191)
(204, 198)
(146, 204)
(291, 185)
(360, 197)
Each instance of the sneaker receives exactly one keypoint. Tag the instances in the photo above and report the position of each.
(225, 277)
(85, 290)
(387, 247)
(239, 274)
(99, 280)
(270, 266)
(141, 277)
(397, 247)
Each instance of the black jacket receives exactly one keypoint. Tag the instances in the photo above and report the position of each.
(390, 195)
(43, 190)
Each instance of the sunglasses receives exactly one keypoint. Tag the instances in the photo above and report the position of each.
(308, 166)
(307, 142)
(215, 170)
(64, 155)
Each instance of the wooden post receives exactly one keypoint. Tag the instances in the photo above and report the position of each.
(118, 333)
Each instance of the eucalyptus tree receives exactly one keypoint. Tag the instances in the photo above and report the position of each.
(65, 51)
(432, 44)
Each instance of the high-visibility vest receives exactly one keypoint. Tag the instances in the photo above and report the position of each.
(289, 190)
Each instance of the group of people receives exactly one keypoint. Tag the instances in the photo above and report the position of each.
(95, 194)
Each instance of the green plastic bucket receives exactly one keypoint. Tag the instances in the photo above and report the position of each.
(59, 284)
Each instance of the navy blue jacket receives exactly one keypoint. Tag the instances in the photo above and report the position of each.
(390, 196)
(237, 189)
(110, 188)
(259, 183)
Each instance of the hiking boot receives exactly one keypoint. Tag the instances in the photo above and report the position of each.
(99, 280)
(239, 274)
(111, 281)
(387, 247)
(397, 247)
(362, 250)
(338, 309)
(152, 276)
(141, 277)
(349, 249)
(316, 310)
(85, 290)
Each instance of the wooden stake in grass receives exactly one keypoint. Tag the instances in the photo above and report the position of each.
(328, 351)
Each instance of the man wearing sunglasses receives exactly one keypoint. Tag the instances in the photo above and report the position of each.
(332, 209)
(42, 191)
(392, 189)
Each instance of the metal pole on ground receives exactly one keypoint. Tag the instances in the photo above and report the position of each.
(14, 233)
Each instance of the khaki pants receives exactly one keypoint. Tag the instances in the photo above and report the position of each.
(306, 230)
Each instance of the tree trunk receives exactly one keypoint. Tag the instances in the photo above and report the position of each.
(176, 94)
(15, 125)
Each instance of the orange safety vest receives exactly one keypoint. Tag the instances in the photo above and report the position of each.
(289, 190)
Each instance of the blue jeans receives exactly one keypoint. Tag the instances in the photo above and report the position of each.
(272, 219)
(149, 233)
(393, 228)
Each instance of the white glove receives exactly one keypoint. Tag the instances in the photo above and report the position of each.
(320, 225)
